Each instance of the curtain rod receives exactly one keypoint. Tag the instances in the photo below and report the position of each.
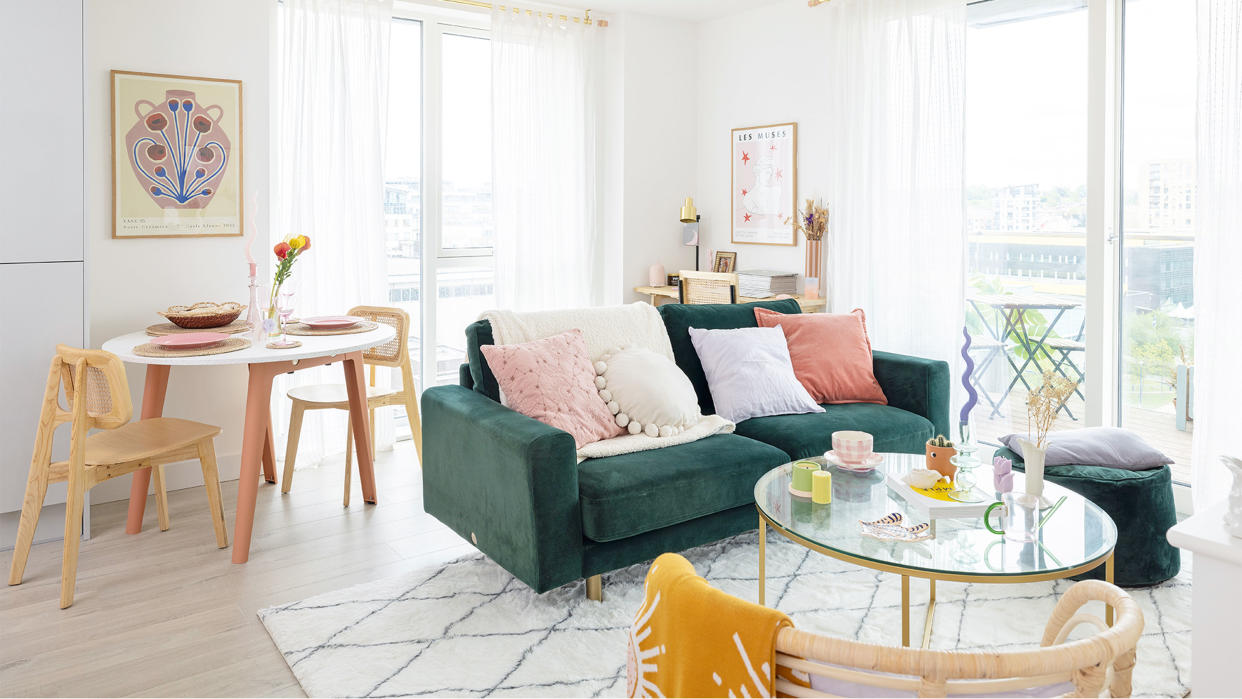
(813, 3)
(585, 19)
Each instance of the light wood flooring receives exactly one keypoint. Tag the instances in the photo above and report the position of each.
(168, 614)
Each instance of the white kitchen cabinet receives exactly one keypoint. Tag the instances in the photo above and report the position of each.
(41, 120)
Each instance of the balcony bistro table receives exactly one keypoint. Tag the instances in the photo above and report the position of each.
(265, 365)
(1010, 322)
(1078, 538)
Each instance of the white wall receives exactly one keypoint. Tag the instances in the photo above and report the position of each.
(130, 280)
(762, 66)
(658, 145)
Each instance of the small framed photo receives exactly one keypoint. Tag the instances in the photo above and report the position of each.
(725, 262)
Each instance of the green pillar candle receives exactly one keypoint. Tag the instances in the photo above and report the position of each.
(802, 471)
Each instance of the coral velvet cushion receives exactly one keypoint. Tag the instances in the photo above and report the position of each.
(831, 354)
(553, 381)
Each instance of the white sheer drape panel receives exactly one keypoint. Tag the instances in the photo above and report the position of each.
(1218, 249)
(544, 106)
(897, 238)
(330, 108)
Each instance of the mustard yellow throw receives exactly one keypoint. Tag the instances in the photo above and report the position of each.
(692, 640)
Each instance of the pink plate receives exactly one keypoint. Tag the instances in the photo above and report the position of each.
(186, 341)
(866, 466)
(330, 322)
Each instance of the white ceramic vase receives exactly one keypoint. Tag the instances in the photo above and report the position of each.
(1033, 455)
(1233, 511)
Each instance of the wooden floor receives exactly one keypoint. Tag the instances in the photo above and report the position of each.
(168, 614)
(1158, 428)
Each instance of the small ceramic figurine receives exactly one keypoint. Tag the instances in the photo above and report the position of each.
(922, 478)
(1233, 515)
(1002, 474)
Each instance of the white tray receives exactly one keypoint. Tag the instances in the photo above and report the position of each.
(933, 508)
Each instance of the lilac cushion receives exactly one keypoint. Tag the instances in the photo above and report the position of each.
(750, 374)
(1096, 446)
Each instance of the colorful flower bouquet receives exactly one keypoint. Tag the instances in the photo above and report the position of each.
(287, 252)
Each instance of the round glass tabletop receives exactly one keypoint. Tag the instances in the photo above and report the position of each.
(1077, 534)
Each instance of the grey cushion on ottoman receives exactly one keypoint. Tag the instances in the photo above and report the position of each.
(1141, 505)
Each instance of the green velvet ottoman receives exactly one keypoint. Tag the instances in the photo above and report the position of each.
(1141, 505)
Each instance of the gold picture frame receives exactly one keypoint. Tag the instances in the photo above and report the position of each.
(176, 148)
(763, 179)
(725, 262)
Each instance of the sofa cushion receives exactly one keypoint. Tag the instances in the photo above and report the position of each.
(679, 317)
(803, 436)
(625, 495)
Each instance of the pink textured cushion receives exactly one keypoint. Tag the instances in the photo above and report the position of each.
(553, 381)
(831, 354)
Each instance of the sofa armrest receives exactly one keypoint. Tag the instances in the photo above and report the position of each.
(915, 384)
(504, 481)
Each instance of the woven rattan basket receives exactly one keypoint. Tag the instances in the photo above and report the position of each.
(204, 314)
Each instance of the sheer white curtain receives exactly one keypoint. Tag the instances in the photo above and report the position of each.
(330, 106)
(545, 76)
(1218, 248)
(896, 239)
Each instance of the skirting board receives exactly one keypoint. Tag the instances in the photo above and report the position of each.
(51, 525)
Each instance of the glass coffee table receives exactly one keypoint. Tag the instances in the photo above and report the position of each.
(1077, 538)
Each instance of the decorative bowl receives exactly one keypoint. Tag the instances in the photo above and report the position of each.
(204, 314)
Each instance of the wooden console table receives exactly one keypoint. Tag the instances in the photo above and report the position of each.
(1215, 615)
(667, 294)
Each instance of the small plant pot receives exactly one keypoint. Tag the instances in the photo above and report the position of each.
(938, 459)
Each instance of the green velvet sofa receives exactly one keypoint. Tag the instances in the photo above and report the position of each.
(513, 486)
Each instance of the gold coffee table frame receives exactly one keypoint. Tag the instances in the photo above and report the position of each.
(906, 572)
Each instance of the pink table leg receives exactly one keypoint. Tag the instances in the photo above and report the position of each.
(355, 386)
(152, 406)
(269, 453)
(254, 439)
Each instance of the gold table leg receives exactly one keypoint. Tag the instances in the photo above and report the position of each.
(763, 536)
(1108, 575)
(931, 610)
(905, 610)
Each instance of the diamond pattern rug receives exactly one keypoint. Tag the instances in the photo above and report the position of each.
(470, 628)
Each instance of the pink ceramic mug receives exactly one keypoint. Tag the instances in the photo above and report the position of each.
(851, 446)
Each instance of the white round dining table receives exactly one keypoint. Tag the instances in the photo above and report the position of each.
(257, 446)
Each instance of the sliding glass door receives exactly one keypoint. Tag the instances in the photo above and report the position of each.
(1080, 141)
(1026, 209)
(1156, 287)
(437, 195)
(438, 184)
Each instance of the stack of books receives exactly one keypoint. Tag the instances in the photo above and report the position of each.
(764, 283)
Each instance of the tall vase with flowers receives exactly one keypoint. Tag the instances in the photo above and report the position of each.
(287, 253)
(1042, 406)
(812, 222)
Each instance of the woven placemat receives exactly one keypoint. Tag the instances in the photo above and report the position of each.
(230, 345)
(365, 326)
(161, 329)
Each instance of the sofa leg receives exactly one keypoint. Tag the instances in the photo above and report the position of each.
(595, 588)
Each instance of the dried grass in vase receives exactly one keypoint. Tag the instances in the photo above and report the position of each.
(812, 220)
(1044, 403)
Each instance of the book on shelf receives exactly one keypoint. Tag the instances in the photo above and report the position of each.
(764, 283)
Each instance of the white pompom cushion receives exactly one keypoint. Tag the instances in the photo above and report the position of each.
(647, 392)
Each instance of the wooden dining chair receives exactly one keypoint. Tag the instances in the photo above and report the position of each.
(707, 287)
(393, 354)
(97, 396)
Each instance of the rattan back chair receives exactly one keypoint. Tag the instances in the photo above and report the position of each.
(1086, 663)
(97, 397)
(707, 287)
(393, 354)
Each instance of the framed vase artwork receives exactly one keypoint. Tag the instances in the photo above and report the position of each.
(764, 181)
(176, 156)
